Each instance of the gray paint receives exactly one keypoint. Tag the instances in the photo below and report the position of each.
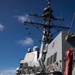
(60, 46)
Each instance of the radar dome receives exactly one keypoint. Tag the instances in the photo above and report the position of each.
(35, 48)
(29, 49)
(17, 68)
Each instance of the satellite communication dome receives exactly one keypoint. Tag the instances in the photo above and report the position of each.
(35, 48)
(17, 68)
(29, 49)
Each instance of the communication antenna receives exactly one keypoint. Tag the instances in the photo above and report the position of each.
(70, 34)
(72, 23)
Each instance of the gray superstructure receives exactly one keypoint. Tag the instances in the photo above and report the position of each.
(55, 57)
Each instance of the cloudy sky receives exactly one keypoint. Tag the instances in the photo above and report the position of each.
(14, 38)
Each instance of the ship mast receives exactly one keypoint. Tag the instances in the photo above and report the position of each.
(47, 16)
(47, 36)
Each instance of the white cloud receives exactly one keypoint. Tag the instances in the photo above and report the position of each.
(23, 18)
(26, 42)
(8, 72)
(1, 27)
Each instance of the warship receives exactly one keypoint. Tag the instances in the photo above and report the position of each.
(55, 56)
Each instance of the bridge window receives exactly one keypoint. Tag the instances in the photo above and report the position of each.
(51, 59)
(54, 57)
(47, 61)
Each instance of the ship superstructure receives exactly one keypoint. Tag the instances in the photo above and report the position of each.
(55, 57)
(49, 59)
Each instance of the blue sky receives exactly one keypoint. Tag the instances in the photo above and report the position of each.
(14, 38)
